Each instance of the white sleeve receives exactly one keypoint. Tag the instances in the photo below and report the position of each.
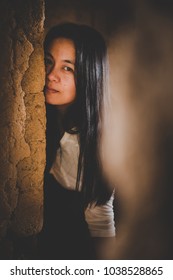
(100, 219)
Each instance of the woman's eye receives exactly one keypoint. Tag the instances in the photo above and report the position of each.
(66, 68)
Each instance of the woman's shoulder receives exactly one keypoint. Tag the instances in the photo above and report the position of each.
(69, 138)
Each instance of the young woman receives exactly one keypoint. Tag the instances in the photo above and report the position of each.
(78, 204)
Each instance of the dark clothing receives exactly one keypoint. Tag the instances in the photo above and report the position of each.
(65, 233)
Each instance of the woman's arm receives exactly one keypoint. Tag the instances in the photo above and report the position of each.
(101, 224)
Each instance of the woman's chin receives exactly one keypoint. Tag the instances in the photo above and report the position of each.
(51, 100)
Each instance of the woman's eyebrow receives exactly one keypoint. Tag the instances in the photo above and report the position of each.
(68, 61)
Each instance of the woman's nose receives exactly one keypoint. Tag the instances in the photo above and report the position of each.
(53, 75)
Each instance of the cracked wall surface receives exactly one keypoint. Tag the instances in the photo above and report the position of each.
(22, 117)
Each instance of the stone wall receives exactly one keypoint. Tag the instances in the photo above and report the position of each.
(22, 118)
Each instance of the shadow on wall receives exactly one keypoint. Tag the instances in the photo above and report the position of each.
(105, 16)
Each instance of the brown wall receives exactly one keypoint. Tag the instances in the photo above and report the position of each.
(22, 117)
(138, 132)
(104, 15)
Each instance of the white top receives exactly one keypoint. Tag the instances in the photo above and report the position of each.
(100, 219)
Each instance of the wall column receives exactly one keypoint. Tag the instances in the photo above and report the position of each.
(22, 117)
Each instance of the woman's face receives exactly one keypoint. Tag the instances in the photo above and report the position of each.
(60, 88)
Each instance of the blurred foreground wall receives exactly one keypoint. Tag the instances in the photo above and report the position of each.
(22, 120)
(138, 132)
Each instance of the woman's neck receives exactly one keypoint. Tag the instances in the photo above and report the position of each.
(65, 122)
(60, 120)
(62, 110)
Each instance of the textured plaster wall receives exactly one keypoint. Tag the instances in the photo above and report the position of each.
(22, 117)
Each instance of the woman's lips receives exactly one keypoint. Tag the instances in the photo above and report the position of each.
(51, 90)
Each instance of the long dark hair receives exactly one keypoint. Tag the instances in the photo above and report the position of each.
(90, 73)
